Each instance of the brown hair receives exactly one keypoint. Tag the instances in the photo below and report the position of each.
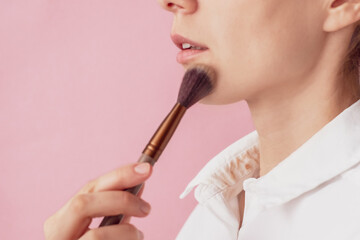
(350, 67)
(350, 70)
(351, 60)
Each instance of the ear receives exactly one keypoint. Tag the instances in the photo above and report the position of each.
(340, 14)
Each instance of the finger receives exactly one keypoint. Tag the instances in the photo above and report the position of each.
(127, 218)
(57, 227)
(124, 177)
(87, 206)
(108, 203)
(118, 232)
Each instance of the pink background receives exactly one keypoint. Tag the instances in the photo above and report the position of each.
(83, 86)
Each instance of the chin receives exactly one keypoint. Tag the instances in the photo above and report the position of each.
(215, 99)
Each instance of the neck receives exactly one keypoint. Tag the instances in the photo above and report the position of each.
(287, 118)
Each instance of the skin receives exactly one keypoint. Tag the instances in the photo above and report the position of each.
(103, 196)
(283, 62)
(280, 56)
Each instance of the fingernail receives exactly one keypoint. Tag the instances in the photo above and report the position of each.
(142, 168)
(145, 207)
(140, 235)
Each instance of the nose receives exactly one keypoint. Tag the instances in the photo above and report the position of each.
(183, 6)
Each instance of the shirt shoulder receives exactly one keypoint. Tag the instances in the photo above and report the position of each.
(203, 224)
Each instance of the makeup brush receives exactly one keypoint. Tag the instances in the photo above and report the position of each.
(198, 82)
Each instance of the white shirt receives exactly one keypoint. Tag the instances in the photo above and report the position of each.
(313, 194)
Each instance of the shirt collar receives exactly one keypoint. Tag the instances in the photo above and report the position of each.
(226, 171)
(328, 153)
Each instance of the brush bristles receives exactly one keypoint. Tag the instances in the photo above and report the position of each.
(197, 83)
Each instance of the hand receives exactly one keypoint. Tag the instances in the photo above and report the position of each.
(103, 196)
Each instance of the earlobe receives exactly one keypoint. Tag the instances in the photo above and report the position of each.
(341, 13)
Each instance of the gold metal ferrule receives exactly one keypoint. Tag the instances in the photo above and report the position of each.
(164, 133)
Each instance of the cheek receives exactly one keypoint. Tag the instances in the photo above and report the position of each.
(231, 56)
(265, 50)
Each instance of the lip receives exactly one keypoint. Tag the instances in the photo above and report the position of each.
(185, 56)
(179, 40)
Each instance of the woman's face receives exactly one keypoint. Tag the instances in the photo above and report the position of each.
(255, 46)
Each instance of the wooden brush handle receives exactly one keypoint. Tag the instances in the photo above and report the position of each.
(153, 151)
(111, 220)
